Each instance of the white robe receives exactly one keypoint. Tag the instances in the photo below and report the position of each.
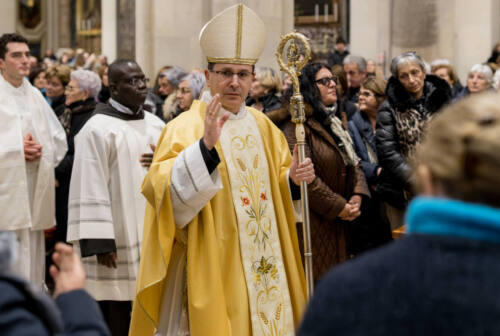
(27, 189)
(105, 201)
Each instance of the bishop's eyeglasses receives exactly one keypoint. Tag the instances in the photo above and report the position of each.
(229, 75)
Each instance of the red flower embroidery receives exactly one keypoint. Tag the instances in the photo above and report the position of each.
(245, 200)
(263, 196)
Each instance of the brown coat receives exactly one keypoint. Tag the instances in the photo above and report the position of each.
(333, 186)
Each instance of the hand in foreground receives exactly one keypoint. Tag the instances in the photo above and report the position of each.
(32, 149)
(68, 273)
(107, 259)
(147, 158)
(213, 124)
(303, 171)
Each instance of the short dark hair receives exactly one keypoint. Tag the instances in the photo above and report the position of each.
(8, 38)
(339, 40)
(34, 72)
(210, 67)
(115, 69)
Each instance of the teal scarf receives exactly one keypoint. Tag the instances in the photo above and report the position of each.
(442, 216)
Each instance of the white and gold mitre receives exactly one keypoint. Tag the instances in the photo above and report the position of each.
(236, 35)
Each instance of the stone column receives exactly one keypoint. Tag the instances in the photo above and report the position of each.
(109, 33)
(176, 26)
(8, 15)
(370, 28)
(64, 25)
(476, 31)
(126, 29)
(52, 38)
(144, 42)
(278, 17)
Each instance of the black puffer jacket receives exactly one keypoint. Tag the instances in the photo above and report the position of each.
(270, 102)
(396, 171)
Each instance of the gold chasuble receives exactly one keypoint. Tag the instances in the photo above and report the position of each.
(243, 267)
(269, 299)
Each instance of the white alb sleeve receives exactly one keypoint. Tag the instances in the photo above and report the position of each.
(191, 186)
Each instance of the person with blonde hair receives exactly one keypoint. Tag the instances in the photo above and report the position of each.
(58, 76)
(264, 91)
(448, 73)
(372, 228)
(443, 278)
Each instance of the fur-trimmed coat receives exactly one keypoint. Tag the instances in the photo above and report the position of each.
(333, 186)
(401, 122)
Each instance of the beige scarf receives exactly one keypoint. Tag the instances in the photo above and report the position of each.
(346, 145)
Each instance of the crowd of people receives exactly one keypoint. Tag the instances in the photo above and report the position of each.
(178, 194)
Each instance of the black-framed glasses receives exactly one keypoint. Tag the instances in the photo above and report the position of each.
(70, 88)
(228, 74)
(135, 80)
(325, 81)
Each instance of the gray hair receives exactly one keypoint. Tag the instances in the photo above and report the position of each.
(406, 57)
(353, 59)
(196, 82)
(485, 70)
(88, 80)
(174, 75)
(8, 250)
(440, 61)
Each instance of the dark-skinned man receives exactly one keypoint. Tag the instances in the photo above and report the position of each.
(106, 208)
(220, 253)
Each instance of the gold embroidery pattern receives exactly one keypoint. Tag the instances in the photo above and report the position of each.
(261, 230)
(239, 29)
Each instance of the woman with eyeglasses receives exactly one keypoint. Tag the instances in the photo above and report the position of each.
(339, 189)
(80, 93)
(169, 84)
(413, 98)
(188, 90)
(57, 77)
(373, 230)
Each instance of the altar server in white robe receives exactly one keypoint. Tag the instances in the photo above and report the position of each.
(106, 207)
(32, 144)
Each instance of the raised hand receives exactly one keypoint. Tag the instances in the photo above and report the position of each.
(32, 149)
(68, 273)
(213, 124)
(303, 171)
